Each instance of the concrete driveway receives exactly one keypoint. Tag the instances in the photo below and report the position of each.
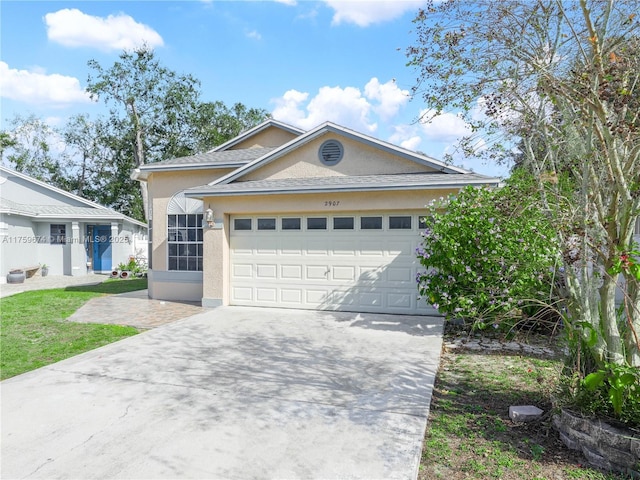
(233, 393)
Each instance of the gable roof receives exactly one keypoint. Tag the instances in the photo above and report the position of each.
(88, 210)
(208, 160)
(255, 130)
(346, 183)
(329, 127)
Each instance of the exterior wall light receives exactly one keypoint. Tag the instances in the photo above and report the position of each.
(208, 217)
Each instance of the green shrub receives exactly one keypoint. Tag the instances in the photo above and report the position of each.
(490, 256)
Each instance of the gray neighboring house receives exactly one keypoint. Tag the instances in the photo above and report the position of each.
(41, 224)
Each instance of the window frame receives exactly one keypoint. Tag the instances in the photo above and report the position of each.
(185, 248)
(60, 235)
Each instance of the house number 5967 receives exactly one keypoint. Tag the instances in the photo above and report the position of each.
(332, 203)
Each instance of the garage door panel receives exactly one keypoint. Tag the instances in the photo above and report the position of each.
(291, 296)
(398, 274)
(242, 294)
(314, 296)
(399, 300)
(266, 251)
(370, 299)
(316, 272)
(291, 272)
(241, 270)
(266, 271)
(401, 248)
(343, 273)
(268, 295)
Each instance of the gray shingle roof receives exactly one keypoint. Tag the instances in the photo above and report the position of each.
(66, 211)
(240, 156)
(406, 181)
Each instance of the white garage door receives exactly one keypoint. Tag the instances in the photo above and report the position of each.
(362, 263)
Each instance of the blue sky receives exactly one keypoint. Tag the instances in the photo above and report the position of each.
(305, 62)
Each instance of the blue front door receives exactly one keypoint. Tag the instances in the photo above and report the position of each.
(102, 248)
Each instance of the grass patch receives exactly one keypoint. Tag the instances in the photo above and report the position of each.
(35, 333)
(470, 435)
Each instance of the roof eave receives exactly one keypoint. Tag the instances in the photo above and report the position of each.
(338, 189)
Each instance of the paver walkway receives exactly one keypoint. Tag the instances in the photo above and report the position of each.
(38, 282)
(134, 309)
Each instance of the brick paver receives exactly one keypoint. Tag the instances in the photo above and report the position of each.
(135, 309)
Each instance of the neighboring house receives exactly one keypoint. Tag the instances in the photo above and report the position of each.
(325, 219)
(41, 224)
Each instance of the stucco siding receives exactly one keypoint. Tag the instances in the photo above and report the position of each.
(359, 159)
(17, 245)
(28, 193)
(270, 137)
(162, 187)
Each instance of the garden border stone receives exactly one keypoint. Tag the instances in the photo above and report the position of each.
(603, 445)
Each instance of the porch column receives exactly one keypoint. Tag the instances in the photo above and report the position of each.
(78, 255)
(116, 247)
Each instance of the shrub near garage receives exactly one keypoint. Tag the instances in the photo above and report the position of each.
(490, 256)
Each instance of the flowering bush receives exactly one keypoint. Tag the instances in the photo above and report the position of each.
(489, 255)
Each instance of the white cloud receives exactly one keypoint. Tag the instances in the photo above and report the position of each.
(287, 2)
(73, 28)
(345, 106)
(446, 127)
(366, 12)
(389, 96)
(254, 34)
(38, 88)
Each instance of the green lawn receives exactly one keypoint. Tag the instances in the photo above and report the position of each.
(34, 331)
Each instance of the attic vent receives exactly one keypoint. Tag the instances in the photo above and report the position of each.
(331, 152)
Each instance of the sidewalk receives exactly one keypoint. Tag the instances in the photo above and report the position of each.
(38, 282)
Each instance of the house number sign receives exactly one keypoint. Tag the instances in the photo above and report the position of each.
(332, 203)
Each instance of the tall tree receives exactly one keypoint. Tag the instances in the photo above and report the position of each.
(215, 123)
(33, 147)
(561, 79)
(156, 102)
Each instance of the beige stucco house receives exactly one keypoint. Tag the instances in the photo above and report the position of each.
(322, 219)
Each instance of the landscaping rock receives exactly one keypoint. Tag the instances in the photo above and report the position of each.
(524, 413)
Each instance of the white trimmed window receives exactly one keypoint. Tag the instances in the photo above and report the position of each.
(184, 234)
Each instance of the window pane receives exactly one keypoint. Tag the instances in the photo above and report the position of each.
(199, 265)
(191, 221)
(343, 223)
(182, 220)
(242, 224)
(173, 263)
(199, 234)
(171, 221)
(423, 222)
(316, 223)
(182, 250)
(403, 223)
(291, 224)
(266, 224)
(191, 235)
(173, 249)
(182, 264)
(371, 223)
(192, 264)
(199, 250)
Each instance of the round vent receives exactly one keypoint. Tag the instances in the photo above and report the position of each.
(331, 152)
(179, 204)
